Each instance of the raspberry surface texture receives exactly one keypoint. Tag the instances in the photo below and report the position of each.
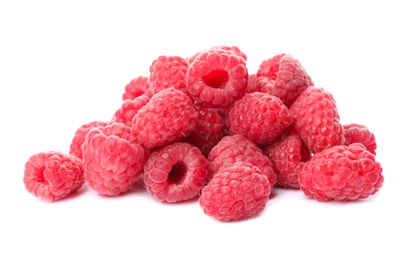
(167, 72)
(341, 173)
(217, 77)
(209, 130)
(288, 155)
(111, 162)
(316, 119)
(129, 109)
(136, 87)
(53, 175)
(284, 77)
(176, 172)
(260, 117)
(75, 148)
(237, 192)
(358, 133)
(237, 148)
(235, 49)
(169, 116)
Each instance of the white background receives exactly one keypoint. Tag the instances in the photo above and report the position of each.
(64, 65)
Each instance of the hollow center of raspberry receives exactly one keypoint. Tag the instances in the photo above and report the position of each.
(40, 175)
(178, 173)
(216, 78)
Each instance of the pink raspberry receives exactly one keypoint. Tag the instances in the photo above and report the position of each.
(209, 130)
(288, 155)
(357, 133)
(136, 87)
(316, 119)
(52, 175)
(169, 116)
(237, 148)
(284, 77)
(111, 162)
(341, 173)
(129, 109)
(237, 192)
(217, 77)
(75, 148)
(166, 72)
(176, 172)
(260, 117)
(235, 49)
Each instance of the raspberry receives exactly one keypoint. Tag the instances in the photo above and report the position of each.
(176, 172)
(288, 155)
(169, 116)
(129, 109)
(251, 83)
(75, 148)
(357, 133)
(53, 175)
(316, 119)
(341, 173)
(235, 49)
(260, 117)
(166, 72)
(236, 148)
(136, 87)
(111, 162)
(284, 77)
(237, 192)
(209, 130)
(217, 77)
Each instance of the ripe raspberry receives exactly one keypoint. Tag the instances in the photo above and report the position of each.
(75, 148)
(129, 109)
(136, 87)
(288, 155)
(237, 148)
(52, 176)
(357, 133)
(316, 119)
(169, 116)
(166, 72)
(341, 173)
(176, 172)
(284, 77)
(260, 117)
(237, 192)
(217, 77)
(111, 162)
(235, 49)
(209, 130)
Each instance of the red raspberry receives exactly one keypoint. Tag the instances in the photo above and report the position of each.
(166, 72)
(260, 117)
(284, 77)
(341, 173)
(235, 49)
(288, 155)
(217, 77)
(75, 148)
(129, 109)
(136, 87)
(237, 192)
(111, 162)
(357, 133)
(52, 176)
(209, 130)
(169, 116)
(316, 119)
(176, 172)
(236, 148)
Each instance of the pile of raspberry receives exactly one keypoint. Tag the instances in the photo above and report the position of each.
(203, 128)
